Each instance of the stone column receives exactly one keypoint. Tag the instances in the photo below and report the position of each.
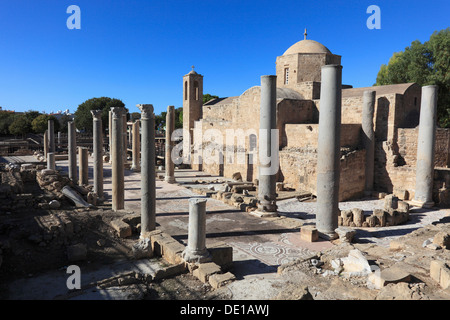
(110, 134)
(51, 136)
(425, 148)
(59, 140)
(98, 152)
(118, 177)
(83, 154)
(196, 248)
(328, 158)
(136, 145)
(368, 138)
(170, 127)
(125, 138)
(148, 185)
(268, 168)
(72, 150)
(46, 143)
(51, 161)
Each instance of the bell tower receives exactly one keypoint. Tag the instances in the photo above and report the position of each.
(192, 104)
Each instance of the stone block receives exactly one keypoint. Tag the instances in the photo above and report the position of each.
(172, 252)
(345, 234)
(309, 233)
(435, 270)
(445, 278)
(380, 216)
(347, 217)
(221, 254)
(218, 280)
(123, 229)
(358, 217)
(205, 270)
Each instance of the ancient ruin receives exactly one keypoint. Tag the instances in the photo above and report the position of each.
(300, 188)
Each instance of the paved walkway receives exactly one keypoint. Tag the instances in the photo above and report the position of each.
(264, 241)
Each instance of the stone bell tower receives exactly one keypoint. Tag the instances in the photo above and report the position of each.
(192, 106)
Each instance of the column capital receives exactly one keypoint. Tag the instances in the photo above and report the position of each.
(96, 114)
(146, 111)
(117, 112)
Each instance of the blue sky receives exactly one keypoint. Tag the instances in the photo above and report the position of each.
(139, 50)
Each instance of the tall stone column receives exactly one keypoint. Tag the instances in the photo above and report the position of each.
(98, 152)
(328, 158)
(72, 150)
(368, 138)
(118, 177)
(425, 148)
(125, 138)
(148, 185)
(170, 127)
(136, 146)
(83, 154)
(51, 161)
(110, 135)
(59, 140)
(51, 136)
(196, 248)
(268, 148)
(46, 144)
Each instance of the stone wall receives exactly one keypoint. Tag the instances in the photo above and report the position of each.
(298, 170)
(307, 135)
(407, 145)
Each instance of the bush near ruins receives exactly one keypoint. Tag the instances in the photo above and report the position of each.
(40, 123)
(426, 64)
(83, 116)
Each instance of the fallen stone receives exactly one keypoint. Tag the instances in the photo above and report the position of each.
(123, 229)
(355, 264)
(218, 280)
(294, 292)
(347, 217)
(394, 274)
(205, 270)
(237, 176)
(345, 234)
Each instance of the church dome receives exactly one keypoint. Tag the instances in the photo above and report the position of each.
(307, 46)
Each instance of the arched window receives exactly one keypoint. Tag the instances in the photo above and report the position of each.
(185, 90)
(196, 90)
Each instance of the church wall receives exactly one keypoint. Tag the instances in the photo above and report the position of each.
(298, 170)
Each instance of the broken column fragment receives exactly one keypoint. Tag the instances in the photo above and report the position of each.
(328, 162)
(196, 248)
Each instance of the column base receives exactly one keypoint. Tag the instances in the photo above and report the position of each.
(135, 169)
(328, 235)
(421, 204)
(264, 214)
(170, 179)
(142, 249)
(192, 256)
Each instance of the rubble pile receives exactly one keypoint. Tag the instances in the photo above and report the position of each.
(395, 212)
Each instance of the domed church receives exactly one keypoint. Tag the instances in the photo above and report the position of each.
(298, 71)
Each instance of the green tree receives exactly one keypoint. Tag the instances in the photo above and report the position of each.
(83, 116)
(207, 97)
(6, 119)
(20, 126)
(425, 63)
(40, 123)
(179, 118)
